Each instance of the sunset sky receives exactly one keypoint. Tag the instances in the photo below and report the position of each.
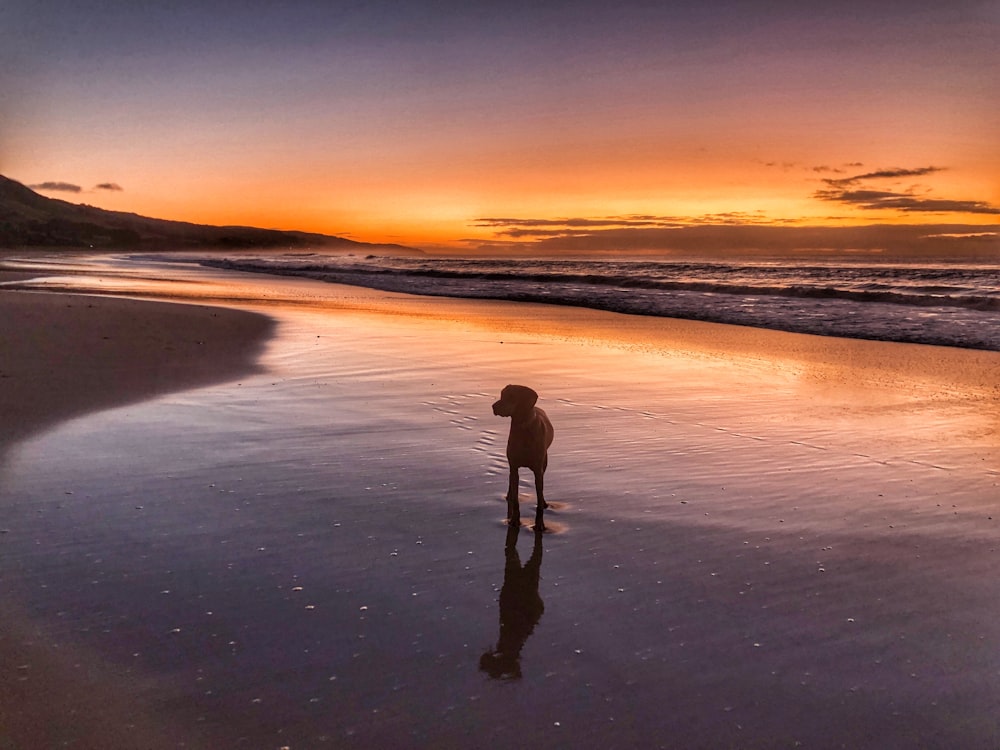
(558, 124)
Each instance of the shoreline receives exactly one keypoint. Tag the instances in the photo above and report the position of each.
(64, 355)
(878, 362)
(797, 300)
(701, 477)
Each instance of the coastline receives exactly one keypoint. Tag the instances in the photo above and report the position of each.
(757, 534)
(934, 305)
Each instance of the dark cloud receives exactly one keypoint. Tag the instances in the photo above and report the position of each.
(785, 165)
(733, 218)
(894, 173)
(735, 240)
(517, 234)
(857, 191)
(579, 227)
(519, 228)
(60, 187)
(112, 186)
(508, 224)
(882, 199)
(882, 174)
(966, 236)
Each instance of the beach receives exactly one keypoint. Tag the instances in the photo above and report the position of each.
(64, 356)
(272, 516)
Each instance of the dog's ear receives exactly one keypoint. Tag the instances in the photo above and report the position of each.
(524, 396)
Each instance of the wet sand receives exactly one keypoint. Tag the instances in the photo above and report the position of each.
(760, 539)
(62, 356)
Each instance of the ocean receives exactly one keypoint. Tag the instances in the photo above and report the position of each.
(939, 304)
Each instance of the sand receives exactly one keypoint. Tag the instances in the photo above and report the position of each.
(62, 356)
(760, 539)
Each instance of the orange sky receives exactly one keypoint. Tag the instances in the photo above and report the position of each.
(409, 126)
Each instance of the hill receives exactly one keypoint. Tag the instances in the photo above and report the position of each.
(28, 219)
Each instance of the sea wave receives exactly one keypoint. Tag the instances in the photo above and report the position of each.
(942, 305)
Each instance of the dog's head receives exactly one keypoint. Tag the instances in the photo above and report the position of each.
(515, 399)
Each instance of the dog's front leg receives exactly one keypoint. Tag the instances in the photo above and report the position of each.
(540, 494)
(513, 505)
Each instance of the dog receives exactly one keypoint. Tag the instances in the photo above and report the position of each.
(527, 445)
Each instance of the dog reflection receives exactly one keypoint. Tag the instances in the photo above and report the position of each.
(520, 608)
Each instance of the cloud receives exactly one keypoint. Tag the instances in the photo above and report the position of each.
(754, 234)
(58, 187)
(882, 174)
(511, 224)
(894, 173)
(965, 235)
(69, 187)
(858, 191)
(905, 202)
(784, 165)
(517, 228)
(748, 240)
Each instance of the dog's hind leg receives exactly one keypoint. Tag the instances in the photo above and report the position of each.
(540, 488)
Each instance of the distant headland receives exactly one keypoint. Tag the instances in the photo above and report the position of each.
(28, 219)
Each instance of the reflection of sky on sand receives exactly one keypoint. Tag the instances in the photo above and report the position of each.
(315, 549)
(863, 409)
(132, 277)
(901, 403)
